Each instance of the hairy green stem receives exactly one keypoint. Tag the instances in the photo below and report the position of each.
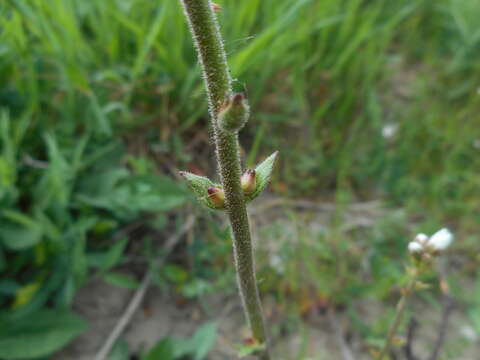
(401, 306)
(208, 42)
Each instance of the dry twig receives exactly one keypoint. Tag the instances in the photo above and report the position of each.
(344, 348)
(141, 291)
(448, 305)
(408, 349)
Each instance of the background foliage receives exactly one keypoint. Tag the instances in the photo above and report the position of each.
(101, 103)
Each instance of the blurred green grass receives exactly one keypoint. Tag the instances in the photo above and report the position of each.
(331, 74)
(363, 99)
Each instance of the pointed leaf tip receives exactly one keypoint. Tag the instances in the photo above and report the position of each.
(200, 186)
(263, 174)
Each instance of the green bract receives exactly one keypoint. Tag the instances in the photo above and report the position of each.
(263, 173)
(234, 114)
(199, 185)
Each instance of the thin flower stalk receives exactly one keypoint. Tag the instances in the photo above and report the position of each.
(422, 250)
(400, 311)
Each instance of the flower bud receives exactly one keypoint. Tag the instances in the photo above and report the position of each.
(414, 247)
(215, 6)
(234, 113)
(421, 238)
(425, 248)
(249, 181)
(216, 197)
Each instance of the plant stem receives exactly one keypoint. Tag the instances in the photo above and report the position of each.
(401, 306)
(209, 45)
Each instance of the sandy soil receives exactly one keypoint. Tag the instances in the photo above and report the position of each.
(316, 339)
(102, 304)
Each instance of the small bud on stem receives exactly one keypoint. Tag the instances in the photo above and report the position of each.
(234, 113)
(216, 197)
(215, 7)
(249, 181)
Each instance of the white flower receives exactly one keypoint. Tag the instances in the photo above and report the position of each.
(421, 238)
(389, 130)
(276, 262)
(441, 239)
(469, 333)
(415, 247)
(435, 243)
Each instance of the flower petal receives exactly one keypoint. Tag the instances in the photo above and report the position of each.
(441, 239)
(414, 247)
(421, 238)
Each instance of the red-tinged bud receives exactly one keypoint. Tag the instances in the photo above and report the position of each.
(215, 6)
(238, 99)
(250, 341)
(234, 113)
(216, 197)
(249, 181)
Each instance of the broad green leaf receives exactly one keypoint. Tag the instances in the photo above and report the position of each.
(196, 287)
(38, 334)
(155, 193)
(163, 350)
(136, 194)
(182, 348)
(121, 280)
(114, 254)
(199, 345)
(19, 218)
(18, 237)
(120, 351)
(204, 339)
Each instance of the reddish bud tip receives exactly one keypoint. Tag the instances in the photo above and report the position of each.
(216, 196)
(250, 341)
(238, 98)
(249, 181)
(233, 113)
(215, 7)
